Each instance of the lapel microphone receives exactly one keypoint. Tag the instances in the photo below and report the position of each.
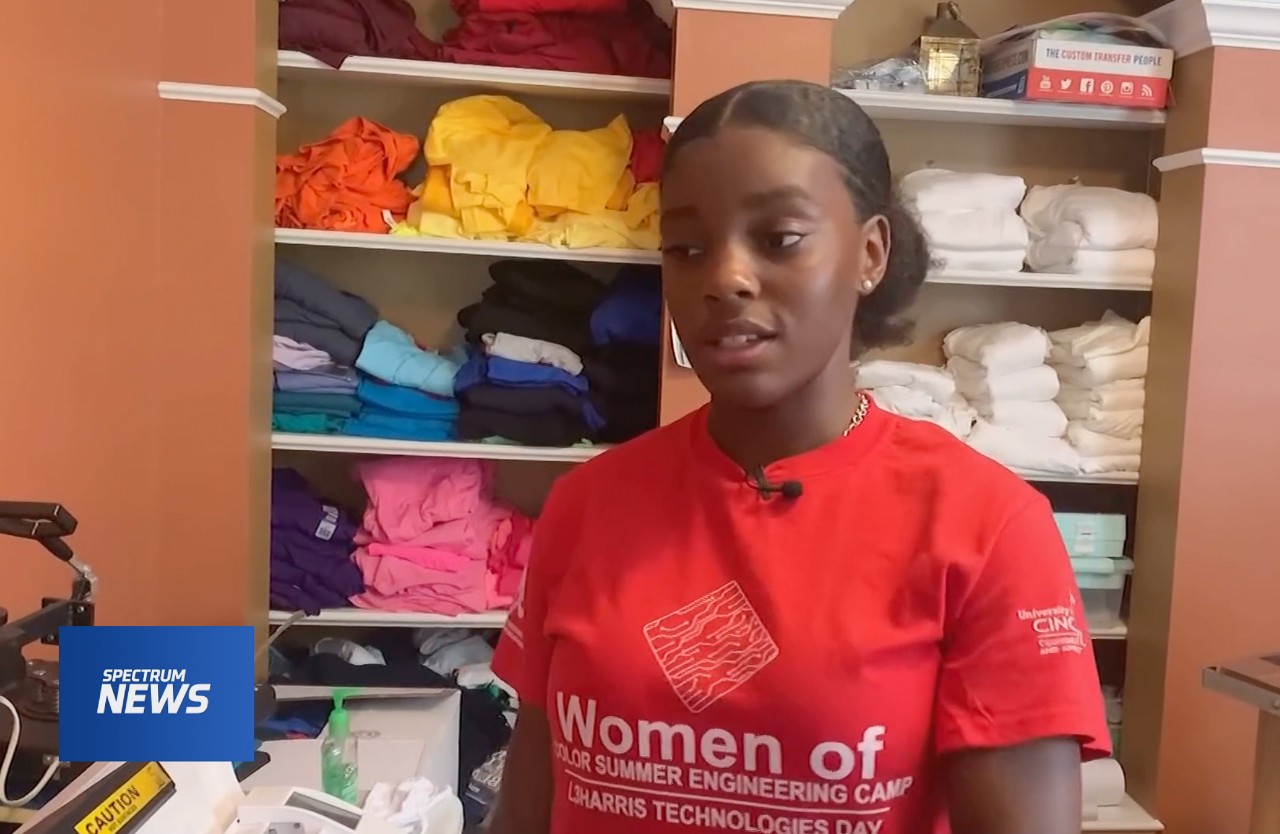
(766, 489)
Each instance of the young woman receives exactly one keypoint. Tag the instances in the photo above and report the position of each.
(790, 612)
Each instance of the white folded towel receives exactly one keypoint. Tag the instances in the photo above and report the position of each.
(1091, 444)
(938, 189)
(1126, 424)
(1098, 370)
(981, 230)
(1050, 455)
(1043, 419)
(885, 373)
(956, 260)
(975, 383)
(1003, 346)
(1091, 217)
(1104, 464)
(1045, 256)
(1121, 395)
(954, 415)
(1108, 336)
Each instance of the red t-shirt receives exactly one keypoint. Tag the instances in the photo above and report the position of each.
(711, 661)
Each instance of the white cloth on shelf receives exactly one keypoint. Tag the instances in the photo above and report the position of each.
(939, 189)
(1091, 444)
(533, 351)
(1048, 455)
(1121, 395)
(1125, 424)
(956, 260)
(1046, 256)
(1091, 217)
(980, 230)
(954, 415)
(1102, 783)
(1099, 370)
(1104, 464)
(885, 373)
(1108, 336)
(1004, 346)
(1044, 419)
(974, 382)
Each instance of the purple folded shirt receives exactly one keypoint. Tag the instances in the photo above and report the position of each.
(330, 379)
(311, 545)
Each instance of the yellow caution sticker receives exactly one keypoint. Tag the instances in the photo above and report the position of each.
(127, 802)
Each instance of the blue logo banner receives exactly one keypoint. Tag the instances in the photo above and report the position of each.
(155, 693)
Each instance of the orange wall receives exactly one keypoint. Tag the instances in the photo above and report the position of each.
(78, 265)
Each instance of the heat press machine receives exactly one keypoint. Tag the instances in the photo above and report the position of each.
(29, 688)
(201, 798)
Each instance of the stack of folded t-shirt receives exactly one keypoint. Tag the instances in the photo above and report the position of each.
(522, 381)
(311, 544)
(622, 366)
(319, 332)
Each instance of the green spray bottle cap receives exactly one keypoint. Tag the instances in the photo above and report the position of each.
(339, 723)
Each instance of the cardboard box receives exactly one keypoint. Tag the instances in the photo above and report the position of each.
(402, 733)
(1042, 68)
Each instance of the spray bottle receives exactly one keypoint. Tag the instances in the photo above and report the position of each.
(338, 769)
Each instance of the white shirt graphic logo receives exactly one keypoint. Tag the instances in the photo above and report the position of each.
(711, 646)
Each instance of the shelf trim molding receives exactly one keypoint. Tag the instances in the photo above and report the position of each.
(1195, 25)
(218, 94)
(1217, 156)
(825, 9)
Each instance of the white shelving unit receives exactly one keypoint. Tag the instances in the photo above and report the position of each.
(450, 246)
(296, 65)
(364, 618)
(409, 448)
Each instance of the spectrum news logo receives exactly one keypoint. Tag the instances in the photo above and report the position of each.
(156, 693)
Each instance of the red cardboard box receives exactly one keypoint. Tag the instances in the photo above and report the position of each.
(1042, 68)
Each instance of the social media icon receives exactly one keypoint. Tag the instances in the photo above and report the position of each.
(1147, 92)
(1108, 88)
(1064, 83)
(1045, 83)
(1086, 85)
(1126, 88)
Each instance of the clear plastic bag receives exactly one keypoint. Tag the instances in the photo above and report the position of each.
(898, 74)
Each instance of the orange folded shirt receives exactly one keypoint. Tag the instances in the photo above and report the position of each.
(345, 181)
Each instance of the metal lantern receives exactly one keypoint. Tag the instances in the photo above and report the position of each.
(950, 54)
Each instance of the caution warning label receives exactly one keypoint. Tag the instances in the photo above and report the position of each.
(129, 801)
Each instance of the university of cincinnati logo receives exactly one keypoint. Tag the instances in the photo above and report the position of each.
(711, 646)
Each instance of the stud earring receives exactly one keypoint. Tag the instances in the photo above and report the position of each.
(868, 286)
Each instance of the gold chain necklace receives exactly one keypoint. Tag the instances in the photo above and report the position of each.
(858, 413)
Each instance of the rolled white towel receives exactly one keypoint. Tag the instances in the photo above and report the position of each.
(955, 415)
(1044, 419)
(1049, 455)
(975, 382)
(1046, 256)
(981, 230)
(1105, 464)
(1108, 336)
(1121, 395)
(955, 260)
(1124, 424)
(938, 189)
(1091, 444)
(1003, 346)
(884, 373)
(1092, 217)
(1099, 370)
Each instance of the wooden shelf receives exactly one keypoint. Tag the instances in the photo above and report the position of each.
(575, 85)
(452, 246)
(1041, 280)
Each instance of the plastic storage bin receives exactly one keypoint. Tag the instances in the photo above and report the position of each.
(1101, 584)
(1092, 534)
